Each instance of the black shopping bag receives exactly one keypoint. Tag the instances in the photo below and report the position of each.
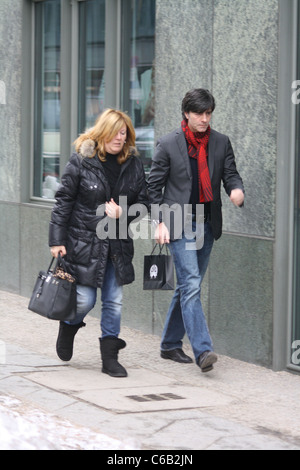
(54, 295)
(158, 271)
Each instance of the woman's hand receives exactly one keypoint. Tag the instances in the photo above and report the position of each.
(113, 210)
(55, 250)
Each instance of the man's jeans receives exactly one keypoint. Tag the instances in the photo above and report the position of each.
(111, 297)
(185, 313)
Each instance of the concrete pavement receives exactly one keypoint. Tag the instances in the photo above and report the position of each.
(161, 405)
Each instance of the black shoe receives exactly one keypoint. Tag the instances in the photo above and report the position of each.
(176, 355)
(206, 361)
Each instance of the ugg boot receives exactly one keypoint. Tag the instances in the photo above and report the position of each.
(109, 348)
(65, 340)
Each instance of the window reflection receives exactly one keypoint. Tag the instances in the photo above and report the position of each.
(47, 98)
(138, 72)
(91, 61)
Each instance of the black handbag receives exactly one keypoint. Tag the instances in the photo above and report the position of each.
(54, 295)
(158, 271)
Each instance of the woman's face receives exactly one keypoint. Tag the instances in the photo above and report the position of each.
(117, 143)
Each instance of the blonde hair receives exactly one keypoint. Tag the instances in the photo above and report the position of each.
(107, 125)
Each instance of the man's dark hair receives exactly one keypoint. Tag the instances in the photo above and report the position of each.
(197, 101)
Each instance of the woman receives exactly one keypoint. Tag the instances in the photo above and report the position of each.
(104, 168)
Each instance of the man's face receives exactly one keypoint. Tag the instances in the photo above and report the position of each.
(198, 122)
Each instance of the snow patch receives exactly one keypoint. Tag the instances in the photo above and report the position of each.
(26, 428)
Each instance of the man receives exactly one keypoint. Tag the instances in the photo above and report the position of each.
(188, 168)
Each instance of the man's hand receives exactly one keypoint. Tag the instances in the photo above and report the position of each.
(237, 197)
(162, 234)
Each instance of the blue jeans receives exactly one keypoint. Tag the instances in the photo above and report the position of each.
(111, 297)
(185, 313)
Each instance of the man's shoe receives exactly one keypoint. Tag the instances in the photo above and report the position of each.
(206, 361)
(176, 355)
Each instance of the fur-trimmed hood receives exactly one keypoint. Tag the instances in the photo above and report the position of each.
(87, 148)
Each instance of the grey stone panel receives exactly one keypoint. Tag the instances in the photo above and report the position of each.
(184, 33)
(241, 298)
(137, 303)
(245, 83)
(34, 250)
(10, 107)
(10, 246)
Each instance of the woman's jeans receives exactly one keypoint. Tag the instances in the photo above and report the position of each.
(185, 313)
(111, 297)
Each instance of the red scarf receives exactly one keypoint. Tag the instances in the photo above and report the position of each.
(197, 148)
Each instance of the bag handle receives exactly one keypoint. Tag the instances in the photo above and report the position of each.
(60, 263)
(161, 247)
(50, 265)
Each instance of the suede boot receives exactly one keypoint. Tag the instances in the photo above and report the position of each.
(65, 340)
(109, 348)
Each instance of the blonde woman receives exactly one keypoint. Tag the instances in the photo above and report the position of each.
(104, 167)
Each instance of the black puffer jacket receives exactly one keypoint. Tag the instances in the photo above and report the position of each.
(84, 188)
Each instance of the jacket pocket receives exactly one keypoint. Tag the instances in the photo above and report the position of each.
(92, 193)
(79, 249)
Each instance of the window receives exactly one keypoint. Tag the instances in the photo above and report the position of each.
(110, 47)
(47, 98)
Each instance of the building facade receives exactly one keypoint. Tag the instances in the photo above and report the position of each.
(63, 61)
